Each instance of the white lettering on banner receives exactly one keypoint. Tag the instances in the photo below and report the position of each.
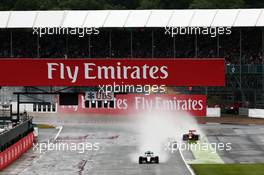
(71, 73)
(118, 71)
(97, 95)
(142, 103)
(125, 72)
(87, 70)
(50, 69)
(135, 103)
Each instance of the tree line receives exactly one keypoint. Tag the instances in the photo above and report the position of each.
(126, 4)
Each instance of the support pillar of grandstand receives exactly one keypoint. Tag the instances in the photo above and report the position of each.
(240, 58)
(262, 49)
(174, 47)
(89, 46)
(243, 97)
(218, 51)
(11, 44)
(196, 45)
(66, 46)
(110, 44)
(131, 43)
(152, 44)
(38, 53)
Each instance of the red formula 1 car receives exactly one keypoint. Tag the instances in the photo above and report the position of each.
(191, 136)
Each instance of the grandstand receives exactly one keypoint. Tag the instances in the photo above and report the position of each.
(134, 34)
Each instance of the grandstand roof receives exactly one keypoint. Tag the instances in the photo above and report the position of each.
(133, 18)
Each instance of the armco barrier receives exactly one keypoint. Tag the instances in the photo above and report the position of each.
(256, 113)
(213, 112)
(16, 133)
(243, 112)
(13, 152)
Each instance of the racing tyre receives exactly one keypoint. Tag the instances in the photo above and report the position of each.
(156, 159)
(140, 160)
(185, 137)
(196, 137)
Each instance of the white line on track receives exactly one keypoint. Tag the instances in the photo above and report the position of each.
(186, 164)
(60, 129)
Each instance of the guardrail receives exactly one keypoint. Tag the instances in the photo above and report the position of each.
(256, 113)
(13, 135)
(213, 112)
(243, 111)
(246, 69)
(251, 112)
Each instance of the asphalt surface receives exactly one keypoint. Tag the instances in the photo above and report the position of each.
(117, 153)
(247, 142)
(118, 148)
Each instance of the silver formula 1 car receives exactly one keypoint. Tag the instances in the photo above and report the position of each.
(148, 158)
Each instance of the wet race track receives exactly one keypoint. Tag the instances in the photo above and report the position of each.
(116, 153)
(247, 142)
(118, 145)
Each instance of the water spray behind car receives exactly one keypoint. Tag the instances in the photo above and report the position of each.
(156, 128)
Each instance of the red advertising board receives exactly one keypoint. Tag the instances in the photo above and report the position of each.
(13, 152)
(132, 103)
(88, 72)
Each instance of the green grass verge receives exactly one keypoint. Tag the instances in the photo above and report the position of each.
(228, 169)
(45, 126)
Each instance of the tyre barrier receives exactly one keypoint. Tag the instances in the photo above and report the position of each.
(13, 152)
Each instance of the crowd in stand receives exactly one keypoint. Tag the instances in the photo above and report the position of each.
(136, 43)
(132, 43)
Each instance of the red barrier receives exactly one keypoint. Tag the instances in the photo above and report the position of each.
(13, 152)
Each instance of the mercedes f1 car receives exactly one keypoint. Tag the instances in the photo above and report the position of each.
(191, 136)
(148, 158)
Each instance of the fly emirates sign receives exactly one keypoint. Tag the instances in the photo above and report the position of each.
(118, 72)
(132, 103)
(87, 72)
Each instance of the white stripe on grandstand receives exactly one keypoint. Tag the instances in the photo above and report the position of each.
(133, 18)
